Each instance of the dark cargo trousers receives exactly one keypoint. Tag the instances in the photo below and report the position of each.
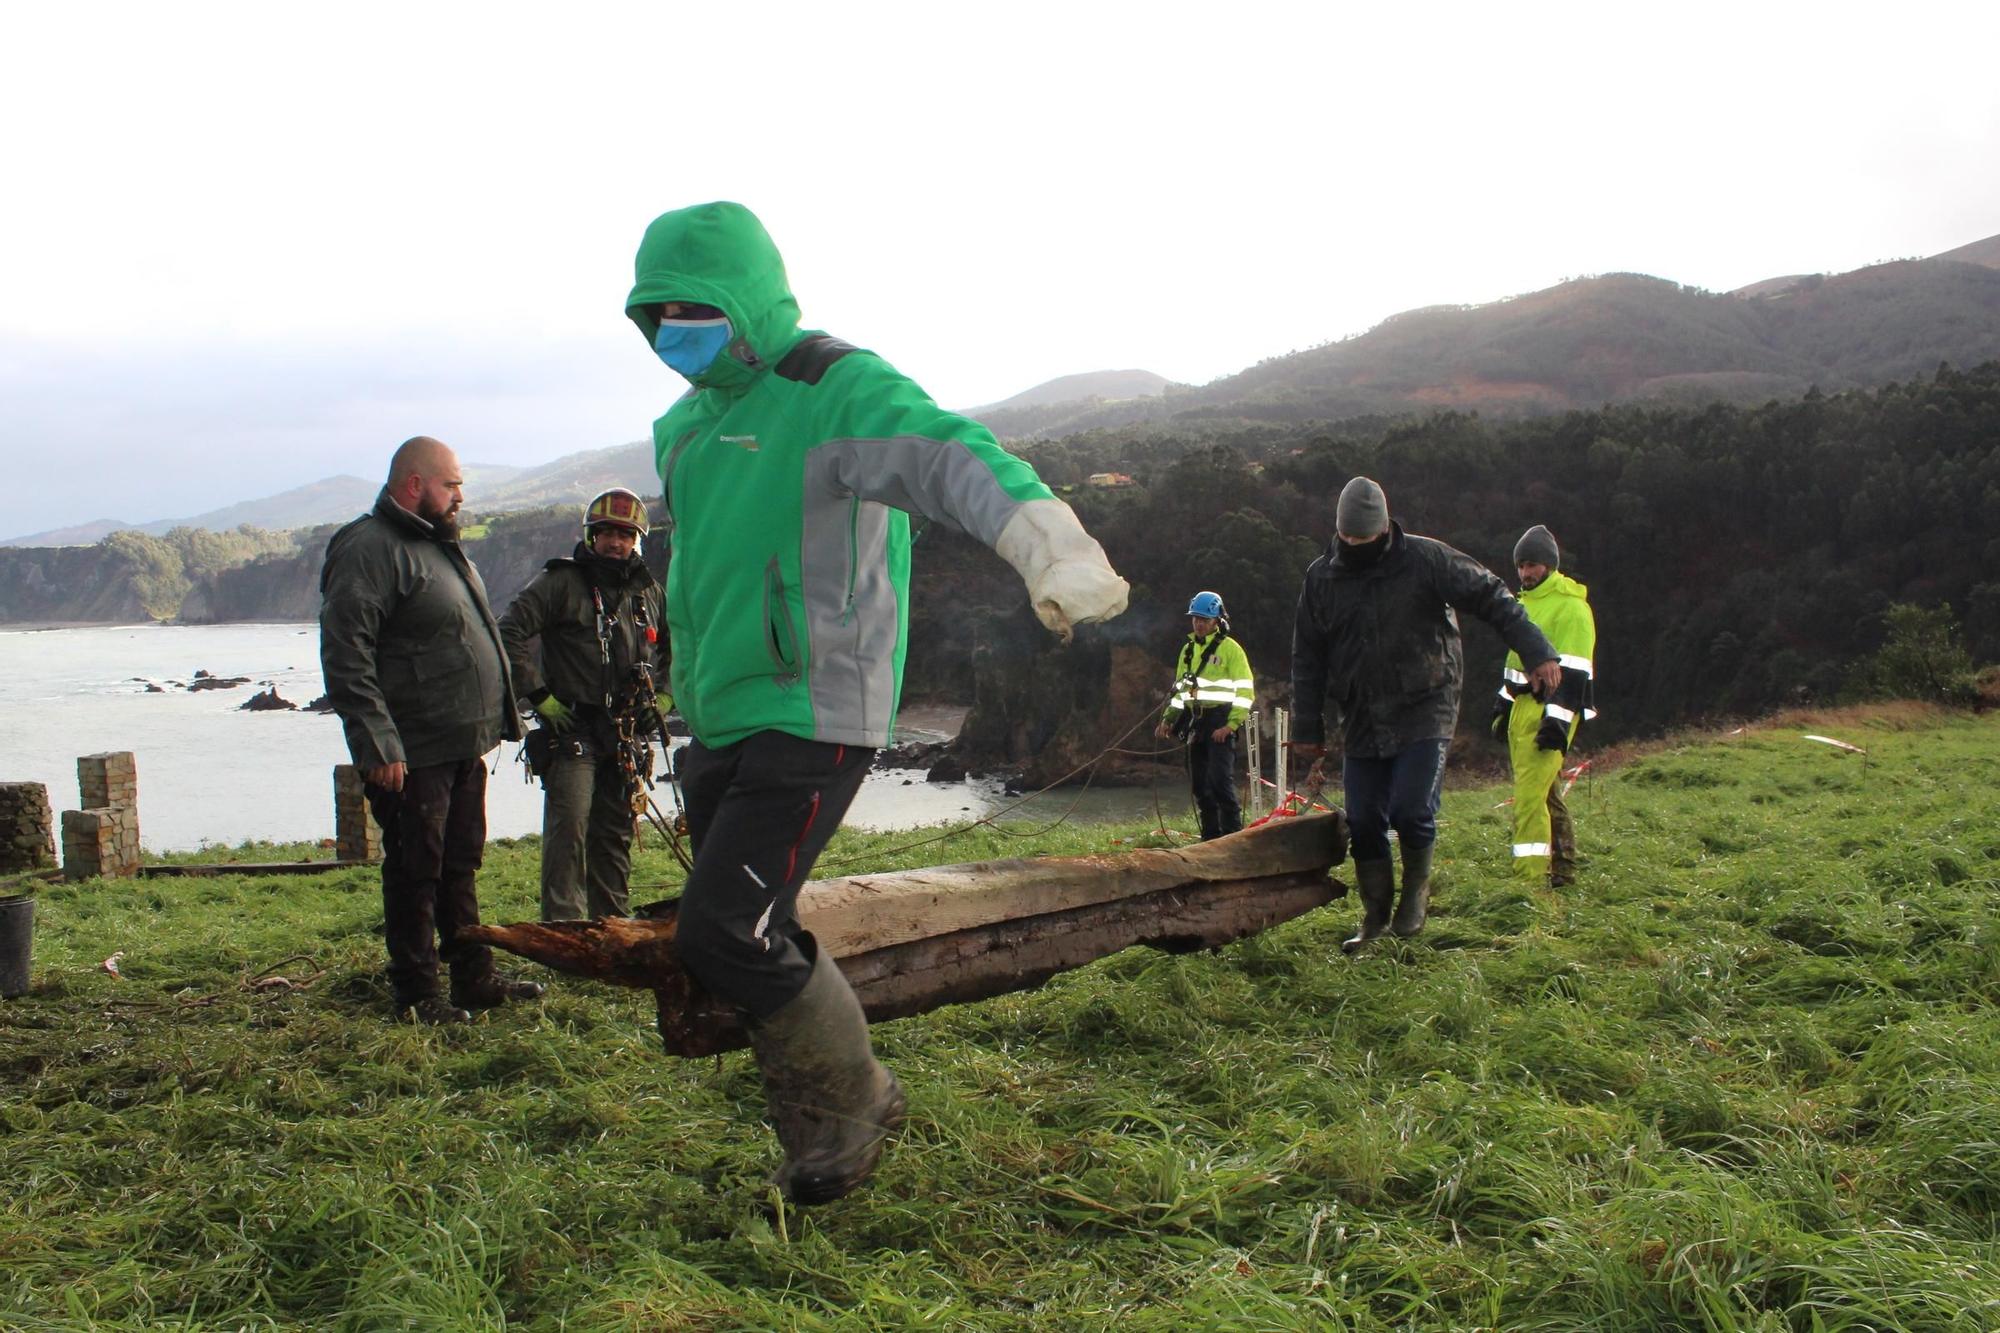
(433, 839)
(759, 814)
(586, 839)
(1212, 776)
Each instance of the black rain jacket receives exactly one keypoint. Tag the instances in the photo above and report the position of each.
(409, 646)
(1380, 645)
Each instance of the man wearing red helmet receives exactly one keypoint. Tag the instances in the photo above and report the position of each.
(597, 617)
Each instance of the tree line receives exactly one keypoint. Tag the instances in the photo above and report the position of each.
(1739, 558)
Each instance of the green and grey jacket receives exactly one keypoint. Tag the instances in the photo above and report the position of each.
(592, 618)
(408, 644)
(1381, 643)
(1560, 608)
(1217, 685)
(791, 468)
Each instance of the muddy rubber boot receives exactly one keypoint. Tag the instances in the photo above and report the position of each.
(431, 1011)
(831, 1101)
(1416, 901)
(1375, 881)
(489, 990)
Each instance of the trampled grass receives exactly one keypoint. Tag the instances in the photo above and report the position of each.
(1744, 1075)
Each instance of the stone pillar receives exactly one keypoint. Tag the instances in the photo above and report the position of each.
(109, 780)
(356, 835)
(103, 837)
(27, 830)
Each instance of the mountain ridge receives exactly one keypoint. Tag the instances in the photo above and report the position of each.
(1615, 337)
(1581, 343)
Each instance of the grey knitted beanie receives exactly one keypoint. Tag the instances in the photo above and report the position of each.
(1363, 511)
(1537, 547)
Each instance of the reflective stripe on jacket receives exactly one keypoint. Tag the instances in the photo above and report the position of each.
(1560, 608)
(1222, 691)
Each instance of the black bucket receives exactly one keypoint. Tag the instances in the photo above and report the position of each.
(17, 944)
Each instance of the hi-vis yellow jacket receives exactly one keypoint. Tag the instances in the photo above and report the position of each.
(1220, 690)
(1560, 608)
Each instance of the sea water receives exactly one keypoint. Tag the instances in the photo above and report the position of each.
(212, 774)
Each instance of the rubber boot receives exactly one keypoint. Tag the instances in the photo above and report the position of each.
(488, 989)
(832, 1103)
(1376, 882)
(1416, 901)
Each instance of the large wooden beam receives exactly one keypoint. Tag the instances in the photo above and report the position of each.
(909, 941)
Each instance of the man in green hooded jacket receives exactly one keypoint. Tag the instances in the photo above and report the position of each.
(1539, 732)
(790, 469)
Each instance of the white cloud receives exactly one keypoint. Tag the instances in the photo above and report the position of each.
(251, 243)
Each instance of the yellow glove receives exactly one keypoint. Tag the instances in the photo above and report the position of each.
(556, 715)
(665, 702)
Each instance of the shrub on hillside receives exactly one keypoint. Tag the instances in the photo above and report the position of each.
(1922, 657)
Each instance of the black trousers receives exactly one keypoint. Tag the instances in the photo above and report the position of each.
(433, 839)
(759, 814)
(1212, 776)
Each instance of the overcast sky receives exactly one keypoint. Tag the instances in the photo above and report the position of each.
(247, 246)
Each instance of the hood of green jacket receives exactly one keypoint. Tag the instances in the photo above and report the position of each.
(718, 254)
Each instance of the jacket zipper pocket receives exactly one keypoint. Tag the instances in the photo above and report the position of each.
(853, 556)
(780, 638)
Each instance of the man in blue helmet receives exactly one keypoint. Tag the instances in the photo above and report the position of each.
(1213, 693)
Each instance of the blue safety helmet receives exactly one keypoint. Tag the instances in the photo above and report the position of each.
(1206, 604)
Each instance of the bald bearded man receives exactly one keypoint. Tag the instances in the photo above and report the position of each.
(415, 668)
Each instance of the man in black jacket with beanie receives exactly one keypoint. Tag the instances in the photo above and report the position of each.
(1376, 636)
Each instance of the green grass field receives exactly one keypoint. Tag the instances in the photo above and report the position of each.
(1744, 1075)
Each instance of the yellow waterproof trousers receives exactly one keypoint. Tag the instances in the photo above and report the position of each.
(1537, 781)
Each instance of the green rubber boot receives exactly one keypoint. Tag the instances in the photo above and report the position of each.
(832, 1103)
(1375, 881)
(1416, 903)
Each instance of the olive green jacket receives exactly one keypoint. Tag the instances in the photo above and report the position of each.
(557, 609)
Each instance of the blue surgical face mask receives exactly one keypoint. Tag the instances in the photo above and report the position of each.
(690, 346)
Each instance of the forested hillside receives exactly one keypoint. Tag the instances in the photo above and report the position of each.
(1738, 558)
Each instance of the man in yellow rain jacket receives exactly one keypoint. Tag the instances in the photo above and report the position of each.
(1213, 693)
(1539, 732)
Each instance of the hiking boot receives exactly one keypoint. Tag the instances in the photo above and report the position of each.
(1376, 883)
(490, 989)
(1415, 906)
(431, 1011)
(832, 1103)
(1561, 879)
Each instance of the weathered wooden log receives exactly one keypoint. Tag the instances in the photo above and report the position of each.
(252, 868)
(912, 940)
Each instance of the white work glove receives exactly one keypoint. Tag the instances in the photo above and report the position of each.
(1069, 580)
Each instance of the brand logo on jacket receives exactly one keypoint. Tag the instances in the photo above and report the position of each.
(748, 443)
